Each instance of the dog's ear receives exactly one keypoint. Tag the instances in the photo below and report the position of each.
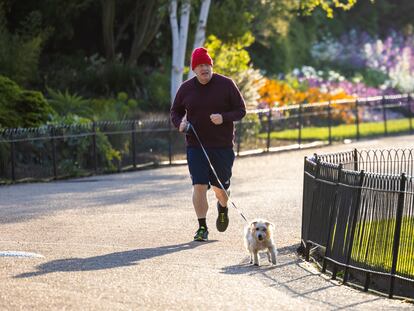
(269, 224)
(253, 225)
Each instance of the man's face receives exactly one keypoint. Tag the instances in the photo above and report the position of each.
(204, 72)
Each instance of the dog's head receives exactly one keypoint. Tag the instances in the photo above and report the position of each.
(261, 229)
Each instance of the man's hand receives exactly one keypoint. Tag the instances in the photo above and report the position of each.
(183, 124)
(216, 118)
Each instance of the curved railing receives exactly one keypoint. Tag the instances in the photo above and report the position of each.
(358, 215)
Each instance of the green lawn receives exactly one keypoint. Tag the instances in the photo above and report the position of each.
(342, 131)
(373, 243)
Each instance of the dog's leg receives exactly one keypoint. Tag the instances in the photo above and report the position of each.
(251, 258)
(268, 256)
(256, 258)
(272, 251)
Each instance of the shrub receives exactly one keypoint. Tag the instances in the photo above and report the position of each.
(65, 103)
(22, 108)
(114, 109)
(33, 108)
(232, 59)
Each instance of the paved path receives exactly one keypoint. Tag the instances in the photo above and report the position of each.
(123, 242)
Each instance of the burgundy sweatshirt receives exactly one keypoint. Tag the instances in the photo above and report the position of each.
(219, 95)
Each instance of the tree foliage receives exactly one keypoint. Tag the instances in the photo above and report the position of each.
(20, 50)
(327, 5)
(98, 49)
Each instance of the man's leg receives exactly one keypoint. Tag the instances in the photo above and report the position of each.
(222, 221)
(222, 160)
(199, 170)
(201, 207)
(221, 196)
(200, 200)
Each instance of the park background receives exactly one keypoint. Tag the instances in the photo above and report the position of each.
(108, 60)
(87, 85)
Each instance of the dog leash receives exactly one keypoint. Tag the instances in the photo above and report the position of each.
(187, 129)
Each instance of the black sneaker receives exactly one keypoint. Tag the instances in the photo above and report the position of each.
(201, 234)
(222, 221)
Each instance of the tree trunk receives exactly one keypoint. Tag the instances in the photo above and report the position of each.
(145, 17)
(200, 35)
(108, 20)
(145, 26)
(179, 37)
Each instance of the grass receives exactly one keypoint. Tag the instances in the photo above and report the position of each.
(373, 244)
(343, 131)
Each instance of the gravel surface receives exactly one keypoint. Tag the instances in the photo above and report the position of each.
(124, 242)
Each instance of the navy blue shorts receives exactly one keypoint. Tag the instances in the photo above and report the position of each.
(222, 160)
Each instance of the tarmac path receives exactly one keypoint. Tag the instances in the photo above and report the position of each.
(124, 242)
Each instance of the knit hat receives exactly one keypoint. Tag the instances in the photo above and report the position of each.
(200, 56)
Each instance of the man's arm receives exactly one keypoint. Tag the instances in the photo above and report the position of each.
(238, 105)
(177, 112)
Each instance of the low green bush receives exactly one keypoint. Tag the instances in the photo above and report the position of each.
(22, 108)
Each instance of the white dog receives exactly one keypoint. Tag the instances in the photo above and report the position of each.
(259, 237)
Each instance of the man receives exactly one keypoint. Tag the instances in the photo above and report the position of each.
(210, 102)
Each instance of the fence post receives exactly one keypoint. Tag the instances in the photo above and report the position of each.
(52, 138)
(357, 119)
(327, 252)
(95, 158)
(355, 159)
(315, 188)
(367, 281)
(13, 157)
(397, 233)
(353, 225)
(330, 122)
(300, 125)
(239, 136)
(410, 113)
(302, 235)
(269, 127)
(134, 142)
(384, 114)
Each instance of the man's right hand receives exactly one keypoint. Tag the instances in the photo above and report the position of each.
(183, 124)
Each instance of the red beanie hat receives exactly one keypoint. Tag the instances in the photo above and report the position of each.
(200, 56)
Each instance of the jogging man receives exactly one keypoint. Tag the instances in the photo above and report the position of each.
(210, 102)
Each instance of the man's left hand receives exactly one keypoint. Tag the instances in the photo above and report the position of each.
(216, 118)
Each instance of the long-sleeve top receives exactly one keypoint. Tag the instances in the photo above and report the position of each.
(220, 95)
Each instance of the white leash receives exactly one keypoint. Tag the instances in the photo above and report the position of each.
(190, 126)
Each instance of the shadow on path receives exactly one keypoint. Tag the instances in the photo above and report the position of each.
(108, 261)
(301, 283)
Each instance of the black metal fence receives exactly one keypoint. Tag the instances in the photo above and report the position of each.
(358, 213)
(60, 151)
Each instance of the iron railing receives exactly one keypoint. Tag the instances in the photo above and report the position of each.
(60, 151)
(358, 213)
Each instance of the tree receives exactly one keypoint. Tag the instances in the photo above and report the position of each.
(179, 30)
(179, 34)
(141, 20)
(200, 35)
(20, 49)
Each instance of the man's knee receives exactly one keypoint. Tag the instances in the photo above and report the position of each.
(199, 188)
